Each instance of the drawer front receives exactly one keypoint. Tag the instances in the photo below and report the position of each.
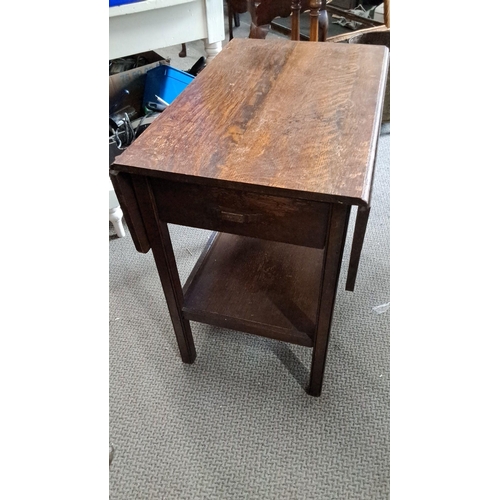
(276, 218)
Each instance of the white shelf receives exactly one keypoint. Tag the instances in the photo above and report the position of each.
(133, 8)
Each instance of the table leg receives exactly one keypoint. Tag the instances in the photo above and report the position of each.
(339, 220)
(212, 49)
(357, 245)
(115, 217)
(163, 253)
(323, 23)
(230, 19)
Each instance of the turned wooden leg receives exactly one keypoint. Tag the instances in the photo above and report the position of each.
(314, 6)
(116, 218)
(295, 27)
(163, 253)
(212, 49)
(323, 24)
(115, 211)
(339, 219)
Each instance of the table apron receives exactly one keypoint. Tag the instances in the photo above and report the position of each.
(276, 218)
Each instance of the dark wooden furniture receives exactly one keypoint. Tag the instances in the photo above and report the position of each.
(344, 4)
(284, 16)
(375, 35)
(269, 151)
(234, 9)
(262, 13)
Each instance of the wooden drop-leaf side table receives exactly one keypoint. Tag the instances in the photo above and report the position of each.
(269, 147)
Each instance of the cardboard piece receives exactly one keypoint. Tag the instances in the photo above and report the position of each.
(133, 81)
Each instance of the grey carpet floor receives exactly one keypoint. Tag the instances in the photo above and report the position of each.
(237, 424)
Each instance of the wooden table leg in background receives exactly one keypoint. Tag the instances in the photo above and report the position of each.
(323, 22)
(163, 253)
(339, 220)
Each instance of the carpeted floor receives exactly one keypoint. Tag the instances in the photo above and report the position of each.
(237, 424)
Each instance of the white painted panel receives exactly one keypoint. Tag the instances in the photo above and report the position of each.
(215, 20)
(131, 8)
(156, 29)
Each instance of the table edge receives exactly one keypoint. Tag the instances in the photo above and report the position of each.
(254, 188)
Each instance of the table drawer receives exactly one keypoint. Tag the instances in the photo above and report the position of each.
(276, 218)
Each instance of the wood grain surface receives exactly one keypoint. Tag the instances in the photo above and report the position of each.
(257, 286)
(303, 117)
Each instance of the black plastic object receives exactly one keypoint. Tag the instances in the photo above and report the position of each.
(197, 66)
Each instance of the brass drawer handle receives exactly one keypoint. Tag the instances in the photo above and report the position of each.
(227, 215)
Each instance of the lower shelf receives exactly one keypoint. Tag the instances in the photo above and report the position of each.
(262, 287)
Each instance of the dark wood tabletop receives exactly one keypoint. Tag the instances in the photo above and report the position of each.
(319, 132)
(268, 147)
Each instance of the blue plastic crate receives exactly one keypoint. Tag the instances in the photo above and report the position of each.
(165, 82)
(116, 3)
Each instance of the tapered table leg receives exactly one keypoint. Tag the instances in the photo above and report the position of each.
(339, 219)
(357, 245)
(163, 253)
